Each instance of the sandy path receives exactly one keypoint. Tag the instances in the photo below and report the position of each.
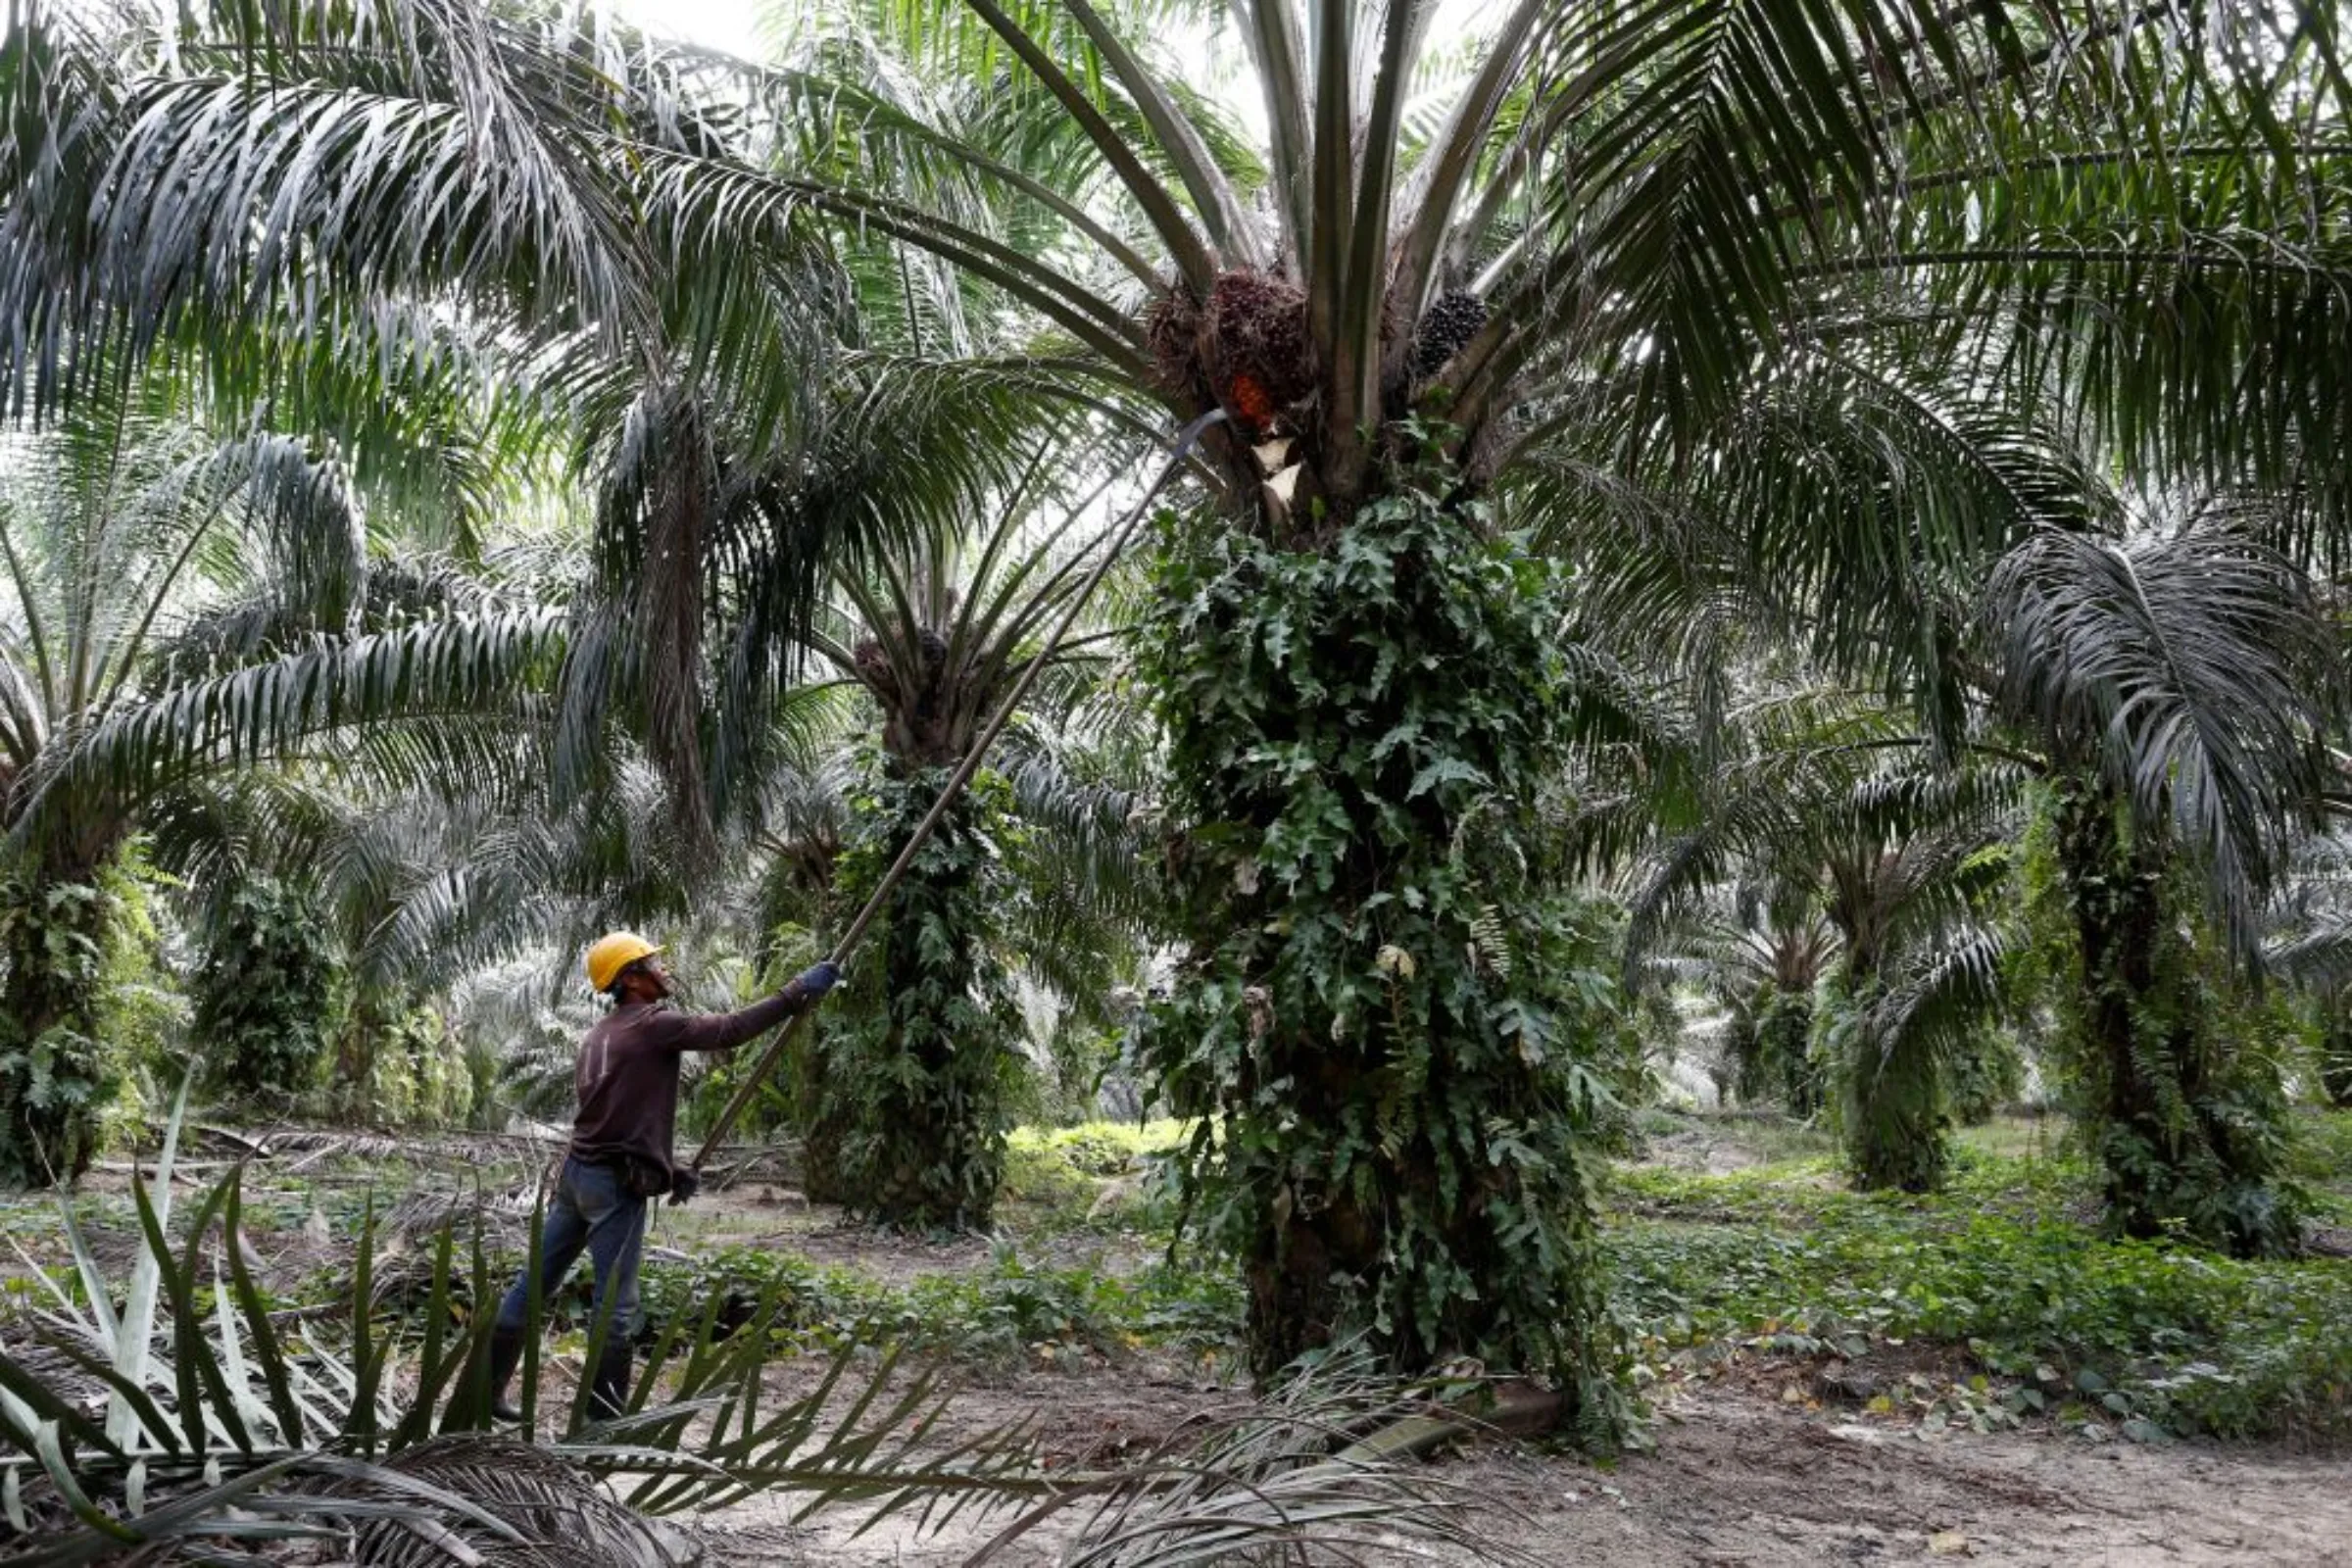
(1738, 1479)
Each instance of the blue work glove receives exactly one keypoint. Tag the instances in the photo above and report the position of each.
(815, 982)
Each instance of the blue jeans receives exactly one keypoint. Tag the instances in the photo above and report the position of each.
(592, 1212)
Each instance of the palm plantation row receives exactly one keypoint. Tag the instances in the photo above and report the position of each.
(1829, 508)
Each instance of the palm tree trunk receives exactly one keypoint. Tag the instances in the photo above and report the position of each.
(357, 1043)
(2187, 1123)
(2336, 1056)
(265, 993)
(59, 932)
(396, 1064)
(1785, 1047)
(1386, 1013)
(1896, 1126)
(2117, 895)
(909, 1112)
(1898, 1123)
(824, 1118)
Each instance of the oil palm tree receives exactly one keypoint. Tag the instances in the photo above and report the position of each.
(1920, 971)
(1569, 267)
(330, 891)
(1757, 951)
(1832, 808)
(2159, 668)
(683, 390)
(419, 881)
(2183, 684)
(731, 444)
(1531, 234)
(1571, 272)
(908, 1104)
(182, 601)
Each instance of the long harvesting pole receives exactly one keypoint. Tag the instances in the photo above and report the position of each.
(1116, 547)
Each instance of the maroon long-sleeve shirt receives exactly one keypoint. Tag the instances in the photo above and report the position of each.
(627, 1075)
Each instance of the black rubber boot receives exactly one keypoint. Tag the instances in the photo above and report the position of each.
(608, 1391)
(506, 1353)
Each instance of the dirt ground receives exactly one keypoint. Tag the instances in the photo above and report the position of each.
(1738, 1476)
(1737, 1480)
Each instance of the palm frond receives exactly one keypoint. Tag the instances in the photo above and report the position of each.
(251, 1436)
(2194, 668)
(1286, 1479)
(266, 709)
(1944, 992)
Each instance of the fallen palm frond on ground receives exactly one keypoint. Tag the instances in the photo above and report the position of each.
(174, 1420)
(1300, 1478)
(176, 1417)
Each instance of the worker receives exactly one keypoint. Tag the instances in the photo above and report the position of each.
(626, 1081)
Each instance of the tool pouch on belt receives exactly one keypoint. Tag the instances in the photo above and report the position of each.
(642, 1178)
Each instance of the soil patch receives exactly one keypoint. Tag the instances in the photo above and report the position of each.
(1093, 1420)
(1737, 1478)
(1699, 1148)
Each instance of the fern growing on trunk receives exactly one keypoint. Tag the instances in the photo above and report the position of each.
(2181, 1101)
(62, 934)
(1396, 1031)
(908, 1101)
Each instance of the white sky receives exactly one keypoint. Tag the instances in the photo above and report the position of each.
(734, 25)
(729, 25)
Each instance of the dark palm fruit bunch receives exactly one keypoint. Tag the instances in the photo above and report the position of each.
(874, 666)
(1454, 320)
(1254, 333)
(1172, 327)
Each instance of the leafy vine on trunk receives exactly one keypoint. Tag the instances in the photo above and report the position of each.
(911, 1100)
(2182, 1104)
(267, 992)
(1398, 1032)
(2335, 1057)
(398, 1065)
(1772, 1051)
(1894, 1107)
(63, 935)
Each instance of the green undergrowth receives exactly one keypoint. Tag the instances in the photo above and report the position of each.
(2320, 1160)
(2001, 1292)
(1011, 1312)
(2007, 1267)
(1099, 1174)
(1098, 1179)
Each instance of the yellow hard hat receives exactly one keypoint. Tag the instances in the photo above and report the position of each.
(613, 952)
